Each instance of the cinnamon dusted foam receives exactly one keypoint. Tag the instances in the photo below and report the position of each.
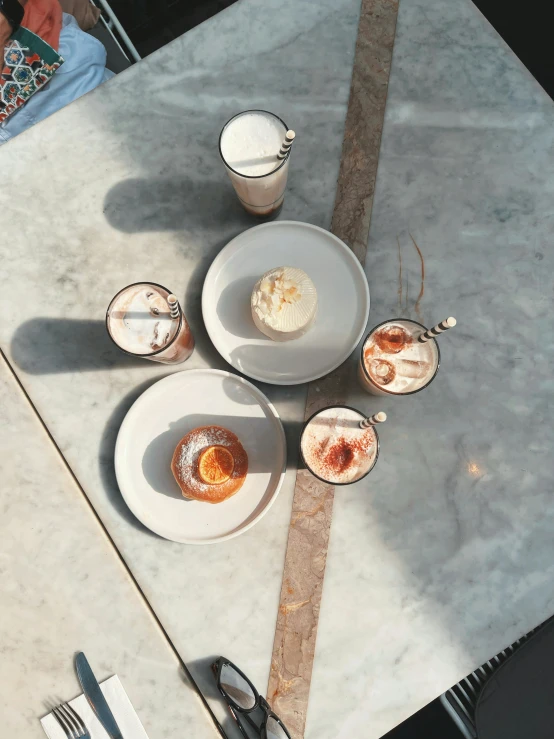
(335, 448)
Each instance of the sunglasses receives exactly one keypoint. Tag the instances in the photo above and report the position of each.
(242, 699)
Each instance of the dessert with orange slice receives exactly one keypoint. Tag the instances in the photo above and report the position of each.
(209, 464)
(215, 465)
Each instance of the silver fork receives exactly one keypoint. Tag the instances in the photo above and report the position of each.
(70, 721)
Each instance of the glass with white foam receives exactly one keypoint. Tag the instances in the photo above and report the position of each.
(334, 447)
(394, 362)
(249, 144)
(139, 321)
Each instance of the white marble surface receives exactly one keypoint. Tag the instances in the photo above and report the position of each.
(445, 555)
(63, 589)
(125, 189)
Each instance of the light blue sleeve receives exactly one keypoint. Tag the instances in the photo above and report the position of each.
(84, 69)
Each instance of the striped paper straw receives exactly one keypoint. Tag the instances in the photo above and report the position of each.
(430, 333)
(373, 420)
(287, 143)
(173, 306)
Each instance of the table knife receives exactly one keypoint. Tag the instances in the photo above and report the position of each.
(95, 697)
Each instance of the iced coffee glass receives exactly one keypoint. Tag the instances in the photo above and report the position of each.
(249, 144)
(394, 362)
(139, 320)
(334, 447)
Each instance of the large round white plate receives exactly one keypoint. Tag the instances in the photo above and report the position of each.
(163, 415)
(343, 302)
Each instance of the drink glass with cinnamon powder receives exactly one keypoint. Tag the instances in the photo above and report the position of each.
(334, 447)
(394, 362)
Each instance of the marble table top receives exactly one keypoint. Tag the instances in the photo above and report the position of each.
(151, 200)
(63, 590)
(443, 554)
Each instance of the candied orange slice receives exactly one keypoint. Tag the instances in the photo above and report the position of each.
(215, 465)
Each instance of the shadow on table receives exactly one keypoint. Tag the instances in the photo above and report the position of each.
(292, 428)
(190, 682)
(44, 346)
(234, 312)
(106, 456)
(196, 209)
(173, 204)
(201, 672)
(263, 358)
(192, 304)
(156, 461)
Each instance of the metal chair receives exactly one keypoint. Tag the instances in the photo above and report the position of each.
(112, 24)
(461, 700)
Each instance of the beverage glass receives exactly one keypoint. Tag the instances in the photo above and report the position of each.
(139, 322)
(335, 449)
(248, 145)
(394, 362)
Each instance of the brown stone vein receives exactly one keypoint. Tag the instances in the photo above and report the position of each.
(312, 508)
(417, 307)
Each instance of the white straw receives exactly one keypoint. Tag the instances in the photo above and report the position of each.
(287, 143)
(173, 306)
(373, 420)
(430, 333)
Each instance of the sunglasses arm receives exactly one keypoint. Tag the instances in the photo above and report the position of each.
(245, 716)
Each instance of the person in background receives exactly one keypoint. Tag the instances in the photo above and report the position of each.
(11, 15)
(84, 66)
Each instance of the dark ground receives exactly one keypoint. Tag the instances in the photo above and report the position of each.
(524, 27)
(432, 722)
(154, 23)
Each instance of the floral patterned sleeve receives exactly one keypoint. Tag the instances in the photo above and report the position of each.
(29, 62)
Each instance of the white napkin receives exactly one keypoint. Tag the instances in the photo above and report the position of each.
(124, 713)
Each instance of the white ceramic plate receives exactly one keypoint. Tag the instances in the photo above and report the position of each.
(163, 415)
(343, 302)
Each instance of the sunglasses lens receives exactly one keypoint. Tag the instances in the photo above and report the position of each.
(237, 689)
(275, 730)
